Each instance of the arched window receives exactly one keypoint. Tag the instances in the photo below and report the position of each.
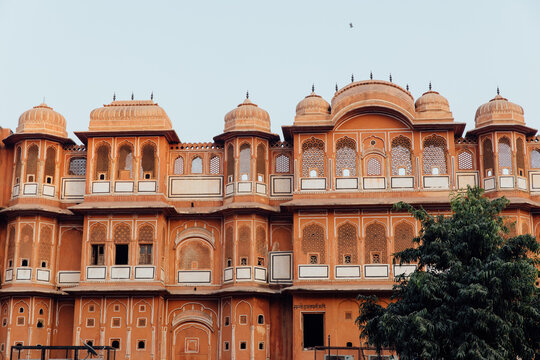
(282, 164)
(245, 162)
(50, 166)
(98, 236)
(313, 158)
(401, 156)
(179, 166)
(313, 244)
(11, 246)
(505, 156)
(465, 160)
(229, 246)
(125, 162)
(535, 159)
(102, 162)
(77, 166)
(215, 167)
(403, 236)
(520, 157)
(121, 238)
(196, 165)
(230, 163)
(195, 255)
(244, 245)
(18, 165)
(148, 162)
(261, 163)
(346, 157)
(434, 156)
(98, 233)
(260, 245)
(347, 244)
(32, 163)
(145, 240)
(374, 167)
(45, 246)
(489, 163)
(26, 245)
(376, 244)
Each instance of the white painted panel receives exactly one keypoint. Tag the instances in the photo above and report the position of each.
(371, 183)
(30, 189)
(260, 273)
(24, 274)
(15, 191)
(228, 274)
(194, 277)
(147, 186)
(312, 271)
(96, 272)
(144, 272)
(48, 190)
(120, 272)
(346, 183)
(489, 184)
(436, 182)
(404, 269)
(464, 180)
(506, 182)
(313, 184)
(261, 188)
(123, 186)
(9, 274)
(229, 189)
(244, 186)
(100, 187)
(73, 188)
(348, 271)
(521, 183)
(376, 271)
(43, 275)
(281, 266)
(195, 186)
(69, 277)
(243, 273)
(401, 182)
(282, 185)
(535, 181)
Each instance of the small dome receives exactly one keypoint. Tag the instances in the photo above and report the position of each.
(312, 104)
(431, 101)
(42, 119)
(499, 111)
(247, 116)
(129, 115)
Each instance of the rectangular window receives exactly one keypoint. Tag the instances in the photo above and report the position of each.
(145, 254)
(121, 254)
(98, 255)
(313, 326)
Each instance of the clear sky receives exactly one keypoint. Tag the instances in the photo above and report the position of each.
(200, 57)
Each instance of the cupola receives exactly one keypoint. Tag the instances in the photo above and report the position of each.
(311, 108)
(432, 105)
(42, 119)
(499, 111)
(247, 116)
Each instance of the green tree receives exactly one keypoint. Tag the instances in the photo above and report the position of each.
(473, 295)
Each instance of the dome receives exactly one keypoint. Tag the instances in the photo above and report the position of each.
(42, 119)
(247, 116)
(312, 104)
(373, 93)
(432, 105)
(499, 111)
(129, 115)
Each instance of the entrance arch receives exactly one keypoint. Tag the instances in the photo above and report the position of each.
(193, 341)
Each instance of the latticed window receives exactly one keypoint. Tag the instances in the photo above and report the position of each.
(26, 245)
(489, 162)
(148, 162)
(401, 156)
(50, 166)
(11, 245)
(102, 162)
(260, 241)
(196, 165)
(178, 166)
(261, 162)
(505, 156)
(403, 236)
(313, 158)
(214, 164)
(229, 247)
(122, 233)
(374, 167)
(282, 164)
(125, 162)
(77, 166)
(434, 156)
(145, 239)
(346, 157)
(195, 255)
(347, 244)
(98, 233)
(524, 229)
(230, 163)
(245, 162)
(45, 246)
(32, 163)
(18, 165)
(520, 157)
(313, 242)
(244, 245)
(465, 160)
(376, 244)
(146, 234)
(535, 159)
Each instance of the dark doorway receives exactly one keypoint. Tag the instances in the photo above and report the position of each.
(121, 257)
(313, 325)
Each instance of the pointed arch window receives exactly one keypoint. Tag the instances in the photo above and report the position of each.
(11, 246)
(50, 165)
(245, 162)
(489, 162)
(229, 246)
(520, 157)
(313, 158)
(18, 165)
(230, 163)
(195, 255)
(45, 246)
(121, 237)
(374, 166)
(26, 245)
(535, 159)
(32, 163)
(148, 162)
(146, 241)
(260, 245)
(196, 165)
(435, 156)
(401, 156)
(261, 163)
(98, 236)
(505, 156)
(102, 162)
(376, 244)
(313, 244)
(125, 162)
(403, 236)
(244, 245)
(347, 244)
(179, 166)
(346, 157)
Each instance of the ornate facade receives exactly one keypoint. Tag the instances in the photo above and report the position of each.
(250, 247)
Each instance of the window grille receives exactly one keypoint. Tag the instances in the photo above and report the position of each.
(148, 170)
(26, 243)
(245, 162)
(230, 163)
(50, 166)
(260, 241)
(282, 164)
(374, 167)
(32, 163)
(261, 162)
(524, 229)
(313, 157)
(125, 162)
(535, 159)
(244, 244)
(520, 157)
(45, 244)
(229, 241)
(98, 233)
(214, 165)
(11, 243)
(403, 236)
(375, 243)
(18, 165)
(77, 166)
(313, 241)
(102, 163)
(178, 166)
(196, 165)
(346, 156)
(401, 156)
(505, 156)
(146, 234)
(122, 233)
(489, 163)
(347, 244)
(465, 160)
(434, 156)
(195, 255)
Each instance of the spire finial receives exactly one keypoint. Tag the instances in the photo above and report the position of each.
(152, 95)
(352, 77)
(390, 77)
(312, 88)
(247, 94)
(371, 75)
(114, 96)
(336, 87)
(407, 87)
(498, 91)
(430, 86)
(132, 96)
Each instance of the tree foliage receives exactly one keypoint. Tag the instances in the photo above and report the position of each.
(473, 295)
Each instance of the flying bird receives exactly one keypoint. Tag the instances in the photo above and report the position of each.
(351, 25)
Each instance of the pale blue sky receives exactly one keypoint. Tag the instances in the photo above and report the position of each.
(200, 57)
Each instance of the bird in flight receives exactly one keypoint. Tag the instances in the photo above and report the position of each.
(351, 25)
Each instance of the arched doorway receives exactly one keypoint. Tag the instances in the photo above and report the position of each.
(192, 341)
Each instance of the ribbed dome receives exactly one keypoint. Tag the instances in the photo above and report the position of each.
(431, 101)
(499, 111)
(247, 117)
(312, 104)
(129, 115)
(42, 119)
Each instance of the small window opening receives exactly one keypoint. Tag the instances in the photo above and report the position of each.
(346, 172)
(24, 262)
(243, 345)
(349, 344)
(347, 259)
(21, 310)
(243, 261)
(243, 319)
(348, 315)
(91, 308)
(260, 178)
(401, 171)
(313, 330)
(376, 258)
(115, 344)
(313, 173)
(147, 176)
(40, 323)
(141, 345)
(40, 311)
(373, 142)
(43, 264)
(226, 345)
(435, 171)
(10, 263)
(244, 177)
(260, 319)
(89, 342)
(227, 321)
(48, 180)
(506, 171)
(313, 259)
(101, 176)
(121, 256)
(229, 262)
(141, 322)
(489, 172)
(98, 255)
(261, 346)
(260, 261)
(30, 178)
(520, 172)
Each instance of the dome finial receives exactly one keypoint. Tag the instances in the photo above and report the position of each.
(313, 87)
(247, 94)
(336, 87)
(498, 91)
(430, 86)
(371, 75)
(390, 77)
(152, 95)
(407, 87)
(114, 96)
(132, 96)
(352, 77)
